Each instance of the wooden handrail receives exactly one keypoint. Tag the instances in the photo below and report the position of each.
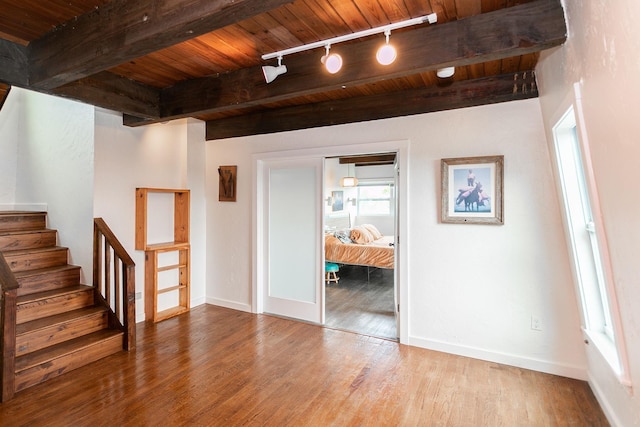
(118, 291)
(8, 300)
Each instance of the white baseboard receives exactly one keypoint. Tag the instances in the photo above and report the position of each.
(229, 304)
(198, 301)
(140, 317)
(554, 368)
(31, 207)
(604, 403)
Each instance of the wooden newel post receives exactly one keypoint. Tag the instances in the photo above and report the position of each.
(8, 343)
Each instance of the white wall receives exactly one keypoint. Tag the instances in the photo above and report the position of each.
(9, 149)
(54, 167)
(602, 53)
(472, 288)
(159, 156)
(196, 170)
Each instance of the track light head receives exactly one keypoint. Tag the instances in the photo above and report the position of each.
(332, 62)
(270, 73)
(446, 72)
(387, 53)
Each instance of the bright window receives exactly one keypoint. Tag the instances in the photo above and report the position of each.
(375, 199)
(583, 238)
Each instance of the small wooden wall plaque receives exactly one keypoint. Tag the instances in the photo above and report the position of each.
(227, 183)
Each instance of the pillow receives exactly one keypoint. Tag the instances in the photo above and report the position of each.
(330, 239)
(361, 235)
(373, 230)
(343, 236)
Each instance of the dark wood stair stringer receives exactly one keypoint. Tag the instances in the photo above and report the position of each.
(51, 323)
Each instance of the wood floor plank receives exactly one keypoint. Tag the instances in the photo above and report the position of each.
(219, 367)
(362, 301)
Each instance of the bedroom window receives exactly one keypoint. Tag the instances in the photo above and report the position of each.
(375, 199)
(588, 260)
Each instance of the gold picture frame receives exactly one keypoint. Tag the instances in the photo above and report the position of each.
(472, 190)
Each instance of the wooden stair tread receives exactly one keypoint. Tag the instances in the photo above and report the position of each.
(14, 240)
(25, 299)
(47, 270)
(56, 351)
(35, 251)
(20, 232)
(21, 213)
(54, 301)
(23, 259)
(58, 319)
(21, 220)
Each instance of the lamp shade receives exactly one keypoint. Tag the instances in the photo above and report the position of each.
(386, 54)
(332, 62)
(270, 72)
(348, 181)
(446, 72)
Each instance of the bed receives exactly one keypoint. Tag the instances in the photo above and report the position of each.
(360, 245)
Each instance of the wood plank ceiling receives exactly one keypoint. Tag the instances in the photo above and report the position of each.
(156, 61)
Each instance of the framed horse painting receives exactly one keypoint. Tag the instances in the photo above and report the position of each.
(472, 190)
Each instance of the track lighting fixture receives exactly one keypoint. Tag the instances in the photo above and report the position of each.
(446, 72)
(387, 53)
(270, 72)
(333, 62)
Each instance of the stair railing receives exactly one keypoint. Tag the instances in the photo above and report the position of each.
(114, 279)
(9, 294)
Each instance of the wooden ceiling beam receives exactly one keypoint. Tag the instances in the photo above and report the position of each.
(13, 63)
(501, 34)
(368, 160)
(103, 89)
(468, 93)
(122, 30)
(114, 92)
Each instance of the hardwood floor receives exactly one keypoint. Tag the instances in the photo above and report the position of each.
(220, 367)
(360, 305)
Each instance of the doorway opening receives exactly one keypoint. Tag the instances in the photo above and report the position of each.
(288, 184)
(361, 196)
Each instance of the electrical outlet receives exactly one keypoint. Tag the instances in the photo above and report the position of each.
(138, 295)
(536, 323)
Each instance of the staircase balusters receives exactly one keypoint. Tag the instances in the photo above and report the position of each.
(118, 291)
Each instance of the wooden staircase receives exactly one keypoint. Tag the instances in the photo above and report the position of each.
(51, 322)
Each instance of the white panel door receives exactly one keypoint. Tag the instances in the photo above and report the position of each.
(293, 239)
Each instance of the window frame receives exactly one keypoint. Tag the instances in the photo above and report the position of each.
(604, 329)
(390, 199)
